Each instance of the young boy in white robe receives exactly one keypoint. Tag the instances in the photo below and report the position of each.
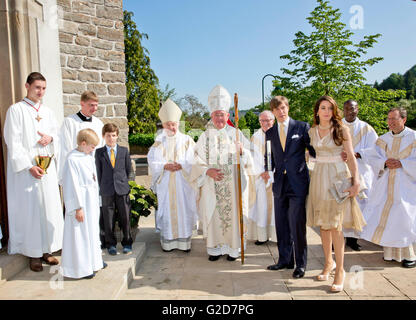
(81, 249)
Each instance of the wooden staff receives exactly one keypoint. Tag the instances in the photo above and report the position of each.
(240, 200)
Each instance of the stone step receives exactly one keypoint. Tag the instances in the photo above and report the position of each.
(11, 265)
(108, 284)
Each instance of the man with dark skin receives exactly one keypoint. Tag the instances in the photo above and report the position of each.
(363, 136)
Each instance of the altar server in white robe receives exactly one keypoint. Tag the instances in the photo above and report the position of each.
(73, 123)
(363, 137)
(261, 214)
(215, 174)
(170, 159)
(34, 206)
(81, 251)
(391, 208)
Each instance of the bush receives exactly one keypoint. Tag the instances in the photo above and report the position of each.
(142, 201)
(142, 139)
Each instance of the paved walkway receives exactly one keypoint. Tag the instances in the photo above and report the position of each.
(177, 275)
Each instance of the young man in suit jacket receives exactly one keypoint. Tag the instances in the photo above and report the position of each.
(289, 141)
(113, 169)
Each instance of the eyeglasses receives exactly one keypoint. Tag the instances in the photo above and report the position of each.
(267, 120)
(393, 119)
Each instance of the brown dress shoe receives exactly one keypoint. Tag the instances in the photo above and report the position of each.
(49, 259)
(35, 264)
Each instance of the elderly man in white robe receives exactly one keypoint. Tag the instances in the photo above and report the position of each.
(170, 159)
(215, 173)
(261, 226)
(391, 208)
(363, 137)
(34, 209)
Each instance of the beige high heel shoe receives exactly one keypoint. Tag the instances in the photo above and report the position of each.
(325, 277)
(338, 287)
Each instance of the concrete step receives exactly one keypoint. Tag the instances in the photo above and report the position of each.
(110, 283)
(11, 265)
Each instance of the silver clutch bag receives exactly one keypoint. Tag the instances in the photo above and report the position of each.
(338, 187)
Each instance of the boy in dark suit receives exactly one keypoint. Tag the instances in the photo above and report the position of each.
(113, 168)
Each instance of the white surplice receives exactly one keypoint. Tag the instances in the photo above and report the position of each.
(363, 137)
(261, 211)
(68, 136)
(176, 215)
(218, 200)
(34, 206)
(81, 250)
(391, 208)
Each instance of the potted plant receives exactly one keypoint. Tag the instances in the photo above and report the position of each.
(142, 201)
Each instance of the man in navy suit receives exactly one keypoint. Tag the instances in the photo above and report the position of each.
(113, 169)
(289, 141)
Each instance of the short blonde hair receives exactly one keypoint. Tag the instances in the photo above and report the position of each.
(89, 95)
(88, 136)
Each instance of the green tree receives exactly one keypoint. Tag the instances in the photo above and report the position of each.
(141, 81)
(410, 82)
(326, 61)
(195, 113)
(252, 121)
(395, 82)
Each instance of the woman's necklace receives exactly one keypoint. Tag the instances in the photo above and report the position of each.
(324, 128)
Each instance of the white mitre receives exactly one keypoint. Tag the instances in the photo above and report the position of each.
(170, 112)
(219, 99)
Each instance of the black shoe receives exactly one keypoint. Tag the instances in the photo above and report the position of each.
(167, 250)
(213, 258)
(299, 273)
(408, 264)
(104, 265)
(89, 277)
(229, 258)
(279, 266)
(352, 243)
(189, 250)
(259, 243)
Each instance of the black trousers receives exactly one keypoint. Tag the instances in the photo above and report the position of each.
(290, 219)
(116, 208)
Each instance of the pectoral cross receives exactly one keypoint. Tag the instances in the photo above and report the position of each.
(38, 118)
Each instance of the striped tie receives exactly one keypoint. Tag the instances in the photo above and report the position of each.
(112, 157)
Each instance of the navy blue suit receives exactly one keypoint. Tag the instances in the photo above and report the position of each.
(290, 188)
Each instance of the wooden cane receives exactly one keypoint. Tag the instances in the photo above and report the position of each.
(240, 200)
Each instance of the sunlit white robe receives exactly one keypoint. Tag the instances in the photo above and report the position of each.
(261, 225)
(391, 208)
(176, 215)
(218, 201)
(34, 206)
(68, 136)
(81, 250)
(363, 137)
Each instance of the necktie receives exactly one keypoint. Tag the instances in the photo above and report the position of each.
(112, 157)
(282, 136)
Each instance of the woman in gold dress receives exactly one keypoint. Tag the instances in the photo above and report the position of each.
(330, 137)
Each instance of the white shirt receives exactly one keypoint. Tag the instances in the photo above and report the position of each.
(286, 125)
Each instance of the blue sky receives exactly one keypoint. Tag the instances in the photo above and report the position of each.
(196, 44)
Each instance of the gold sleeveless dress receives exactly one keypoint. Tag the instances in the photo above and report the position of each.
(322, 209)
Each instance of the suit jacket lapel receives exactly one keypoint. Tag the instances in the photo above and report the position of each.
(276, 132)
(118, 156)
(290, 130)
(106, 157)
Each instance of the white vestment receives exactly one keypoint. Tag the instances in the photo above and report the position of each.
(34, 206)
(81, 250)
(176, 215)
(218, 200)
(261, 211)
(363, 137)
(391, 208)
(68, 136)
